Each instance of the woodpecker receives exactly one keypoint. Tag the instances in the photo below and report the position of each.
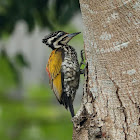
(63, 68)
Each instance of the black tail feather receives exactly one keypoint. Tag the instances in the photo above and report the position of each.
(70, 104)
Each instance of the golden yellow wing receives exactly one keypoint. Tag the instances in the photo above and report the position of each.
(54, 71)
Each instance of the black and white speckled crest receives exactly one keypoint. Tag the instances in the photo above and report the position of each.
(52, 34)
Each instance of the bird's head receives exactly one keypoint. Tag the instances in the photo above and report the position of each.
(58, 39)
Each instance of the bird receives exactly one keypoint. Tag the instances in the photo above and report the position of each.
(63, 68)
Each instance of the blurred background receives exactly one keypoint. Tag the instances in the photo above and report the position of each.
(28, 107)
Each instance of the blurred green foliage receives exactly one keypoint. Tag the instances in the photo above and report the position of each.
(31, 114)
(32, 117)
(7, 73)
(45, 13)
(10, 70)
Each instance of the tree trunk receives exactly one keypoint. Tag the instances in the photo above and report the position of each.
(110, 108)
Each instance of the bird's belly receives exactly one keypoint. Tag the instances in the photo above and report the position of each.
(70, 70)
(71, 76)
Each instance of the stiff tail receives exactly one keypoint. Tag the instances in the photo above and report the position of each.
(70, 105)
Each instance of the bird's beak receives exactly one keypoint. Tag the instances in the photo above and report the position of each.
(73, 34)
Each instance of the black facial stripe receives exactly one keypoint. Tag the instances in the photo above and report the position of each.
(53, 41)
(59, 43)
(52, 46)
(64, 38)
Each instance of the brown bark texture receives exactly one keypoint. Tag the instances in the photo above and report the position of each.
(110, 108)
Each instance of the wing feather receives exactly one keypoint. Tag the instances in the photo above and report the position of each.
(54, 71)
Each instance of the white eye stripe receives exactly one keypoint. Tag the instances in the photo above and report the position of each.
(50, 40)
(55, 43)
(61, 38)
(60, 34)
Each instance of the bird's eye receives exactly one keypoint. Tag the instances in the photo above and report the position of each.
(60, 34)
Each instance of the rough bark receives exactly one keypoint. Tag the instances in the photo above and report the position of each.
(110, 107)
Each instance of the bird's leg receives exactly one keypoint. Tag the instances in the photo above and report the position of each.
(82, 71)
(82, 57)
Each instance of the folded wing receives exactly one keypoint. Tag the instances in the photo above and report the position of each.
(54, 71)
